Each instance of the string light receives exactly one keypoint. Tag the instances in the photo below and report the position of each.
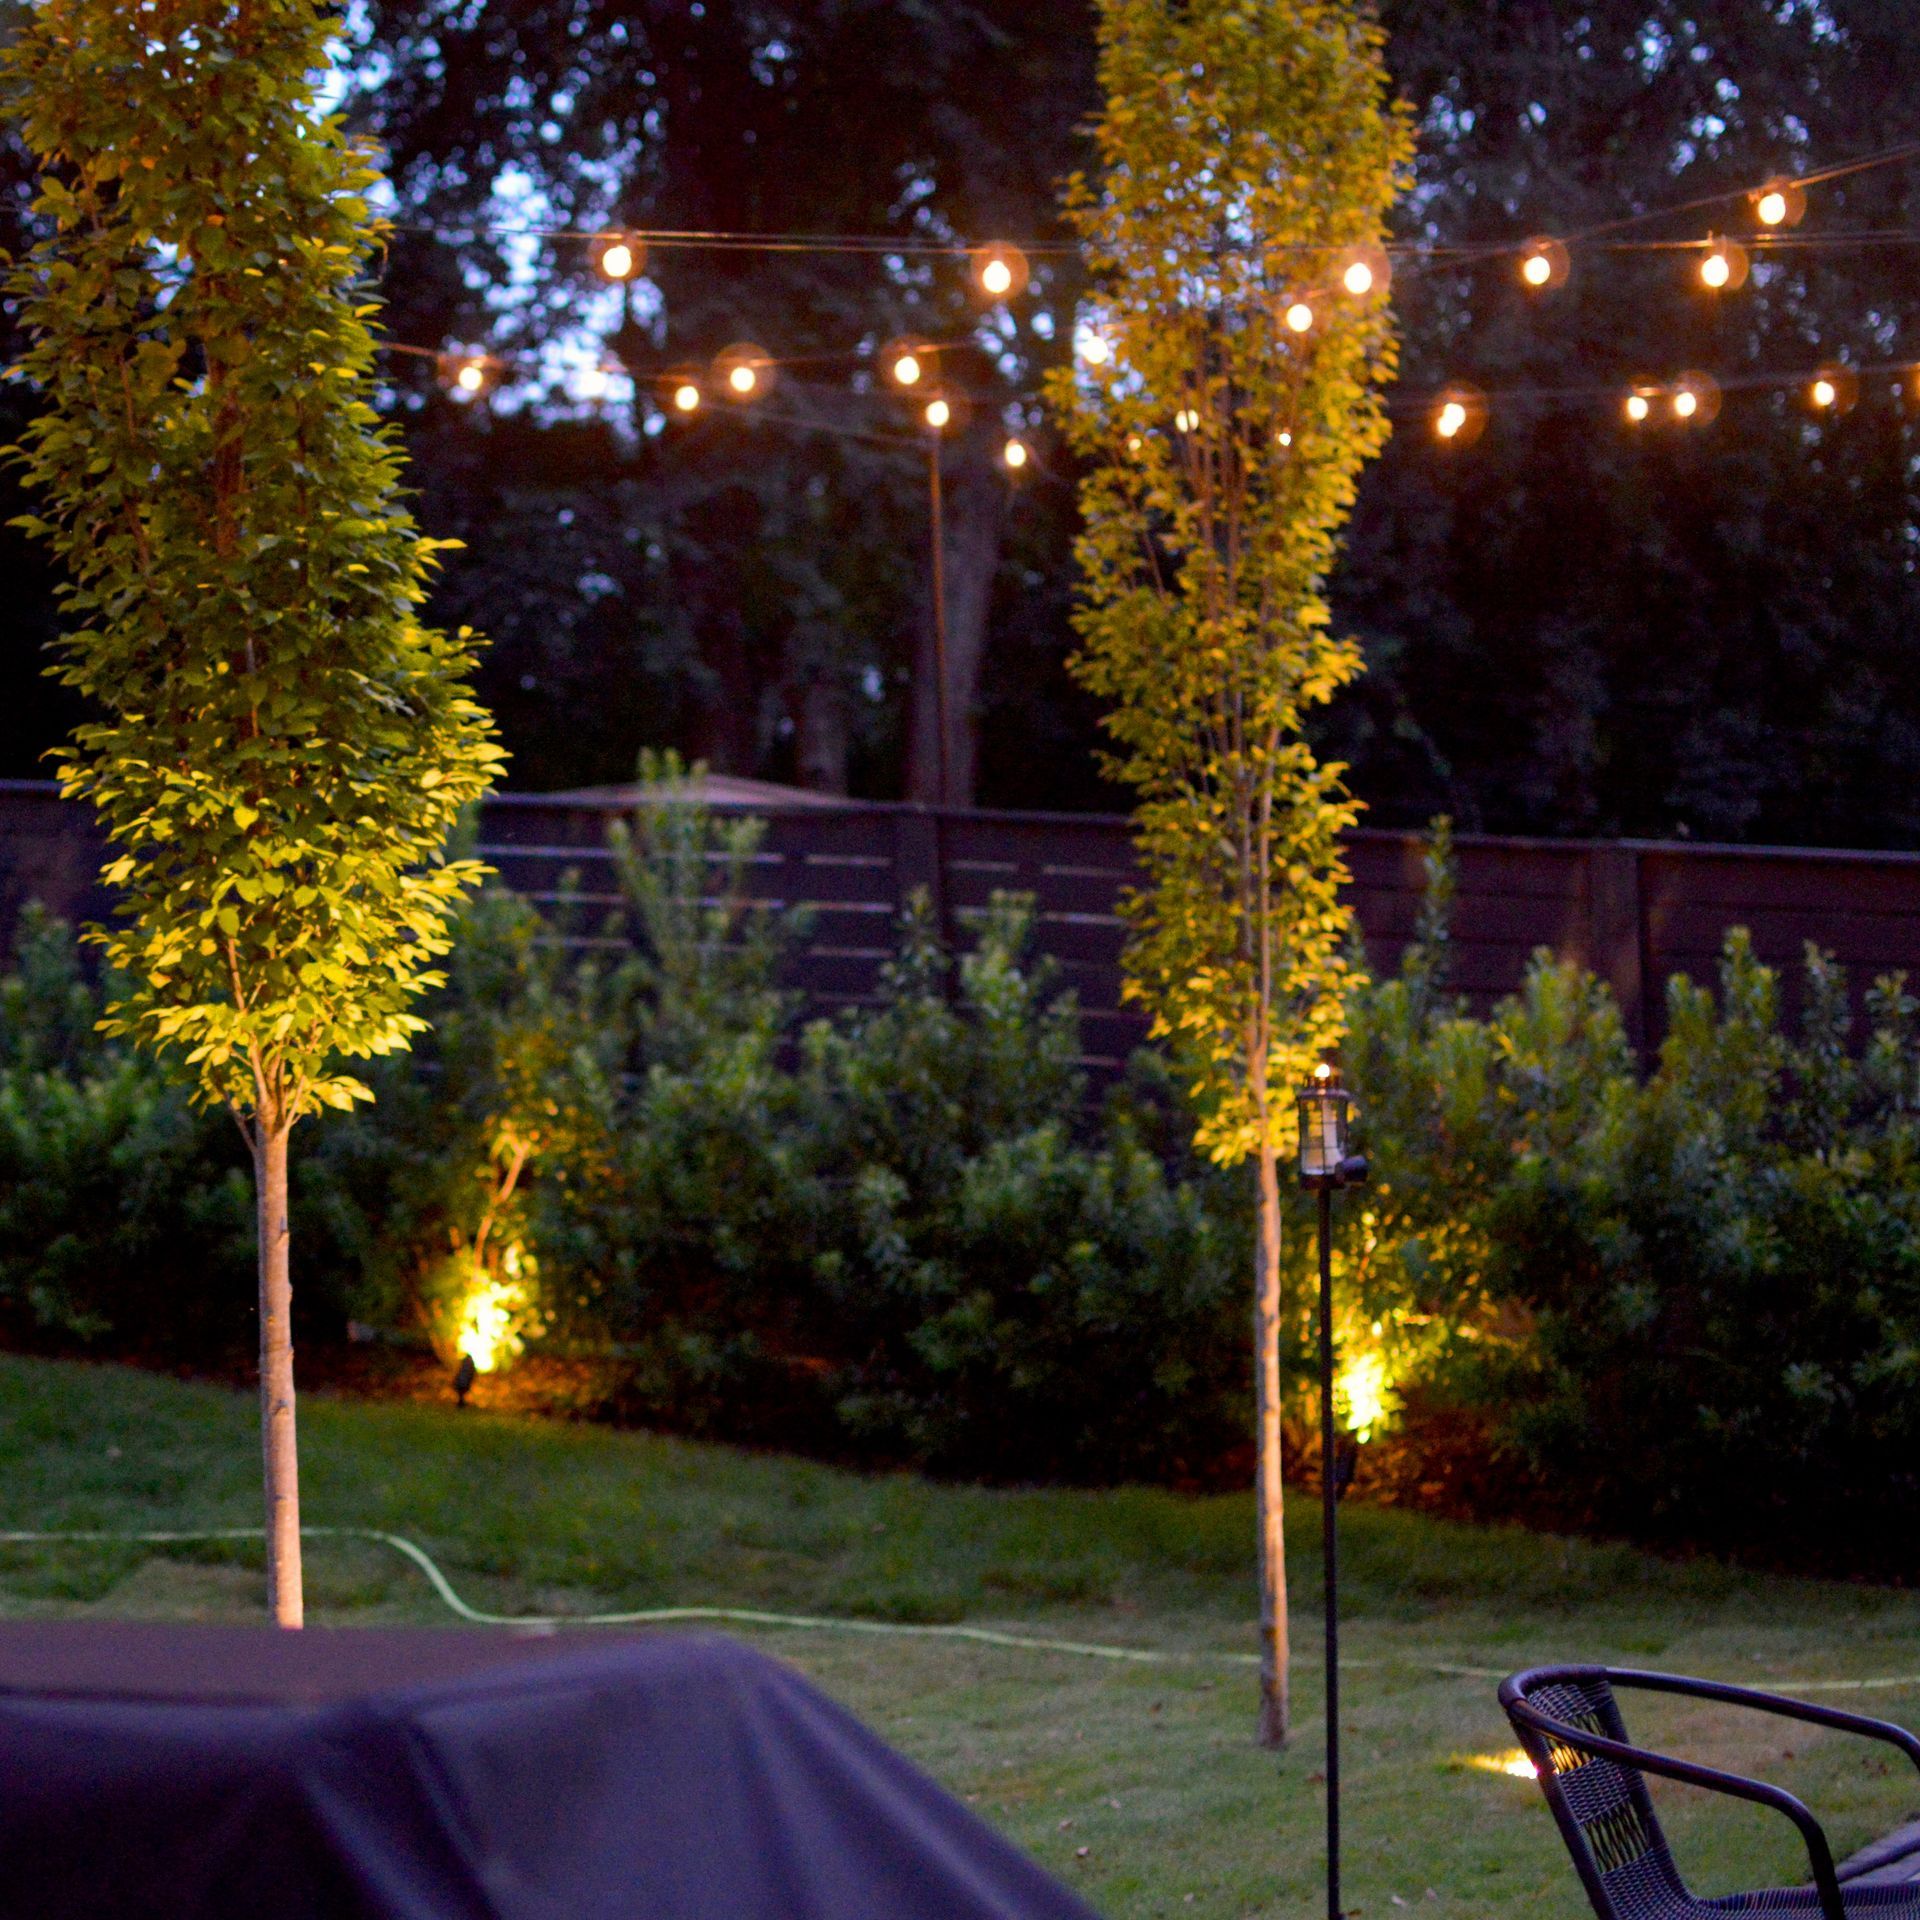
(1014, 453)
(1367, 271)
(621, 255)
(683, 393)
(904, 365)
(1543, 263)
(1186, 420)
(1094, 348)
(1460, 417)
(1639, 403)
(938, 414)
(1780, 203)
(594, 383)
(1299, 316)
(745, 370)
(1834, 389)
(1724, 266)
(1001, 270)
(1696, 399)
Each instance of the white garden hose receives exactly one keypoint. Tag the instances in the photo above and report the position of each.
(806, 1622)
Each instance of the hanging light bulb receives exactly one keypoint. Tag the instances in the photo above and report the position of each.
(906, 361)
(620, 255)
(1696, 399)
(1186, 420)
(1723, 266)
(1367, 271)
(1001, 271)
(1299, 316)
(1014, 453)
(1638, 404)
(938, 414)
(1094, 347)
(466, 374)
(681, 392)
(745, 371)
(1543, 264)
(1834, 389)
(1460, 416)
(1780, 203)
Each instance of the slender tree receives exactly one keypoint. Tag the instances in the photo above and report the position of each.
(283, 747)
(1249, 156)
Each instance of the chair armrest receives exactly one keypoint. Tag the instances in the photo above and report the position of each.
(1690, 1773)
(1774, 1703)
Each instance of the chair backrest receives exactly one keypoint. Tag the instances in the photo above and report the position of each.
(1601, 1806)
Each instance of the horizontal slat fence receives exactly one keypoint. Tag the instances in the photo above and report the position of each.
(1634, 911)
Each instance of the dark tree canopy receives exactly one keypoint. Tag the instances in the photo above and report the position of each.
(1570, 628)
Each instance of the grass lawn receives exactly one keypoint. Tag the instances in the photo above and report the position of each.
(1137, 1784)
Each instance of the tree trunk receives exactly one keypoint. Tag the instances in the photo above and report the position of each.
(975, 512)
(1276, 1712)
(278, 1442)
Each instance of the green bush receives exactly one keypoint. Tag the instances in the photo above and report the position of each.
(1690, 1300)
(125, 1213)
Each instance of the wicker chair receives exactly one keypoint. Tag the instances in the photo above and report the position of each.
(1595, 1782)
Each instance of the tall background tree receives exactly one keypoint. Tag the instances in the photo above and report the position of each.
(282, 747)
(1248, 160)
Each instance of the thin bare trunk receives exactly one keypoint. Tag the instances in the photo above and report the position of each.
(278, 1441)
(976, 509)
(1276, 1710)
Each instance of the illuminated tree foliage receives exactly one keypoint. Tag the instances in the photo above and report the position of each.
(283, 747)
(1249, 157)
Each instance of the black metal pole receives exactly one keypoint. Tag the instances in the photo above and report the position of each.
(939, 614)
(1329, 1494)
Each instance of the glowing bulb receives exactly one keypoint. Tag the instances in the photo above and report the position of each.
(1452, 417)
(1715, 270)
(1323, 1070)
(938, 413)
(1825, 393)
(1015, 454)
(1772, 207)
(617, 261)
(1134, 443)
(1536, 270)
(1358, 278)
(743, 379)
(1299, 316)
(1686, 403)
(1637, 408)
(594, 383)
(1186, 420)
(471, 378)
(906, 369)
(1095, 351)
(996, 276)
(1285, 438)
(686, 396)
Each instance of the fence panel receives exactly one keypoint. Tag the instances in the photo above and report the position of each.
(1634, 911)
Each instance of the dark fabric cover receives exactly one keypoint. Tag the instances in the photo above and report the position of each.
(198, 1773)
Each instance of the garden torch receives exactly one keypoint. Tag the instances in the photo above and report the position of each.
(1326, 1164)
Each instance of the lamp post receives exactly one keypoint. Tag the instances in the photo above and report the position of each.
(1326, 1164)
(938, 413)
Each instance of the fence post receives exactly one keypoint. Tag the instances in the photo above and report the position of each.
(919, 860)
(1617, 934)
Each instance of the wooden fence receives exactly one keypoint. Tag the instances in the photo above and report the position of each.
(1634, 911)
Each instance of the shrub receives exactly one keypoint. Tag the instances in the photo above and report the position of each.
(125, 1213)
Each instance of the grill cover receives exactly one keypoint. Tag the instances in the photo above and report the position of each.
(198, 1773)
